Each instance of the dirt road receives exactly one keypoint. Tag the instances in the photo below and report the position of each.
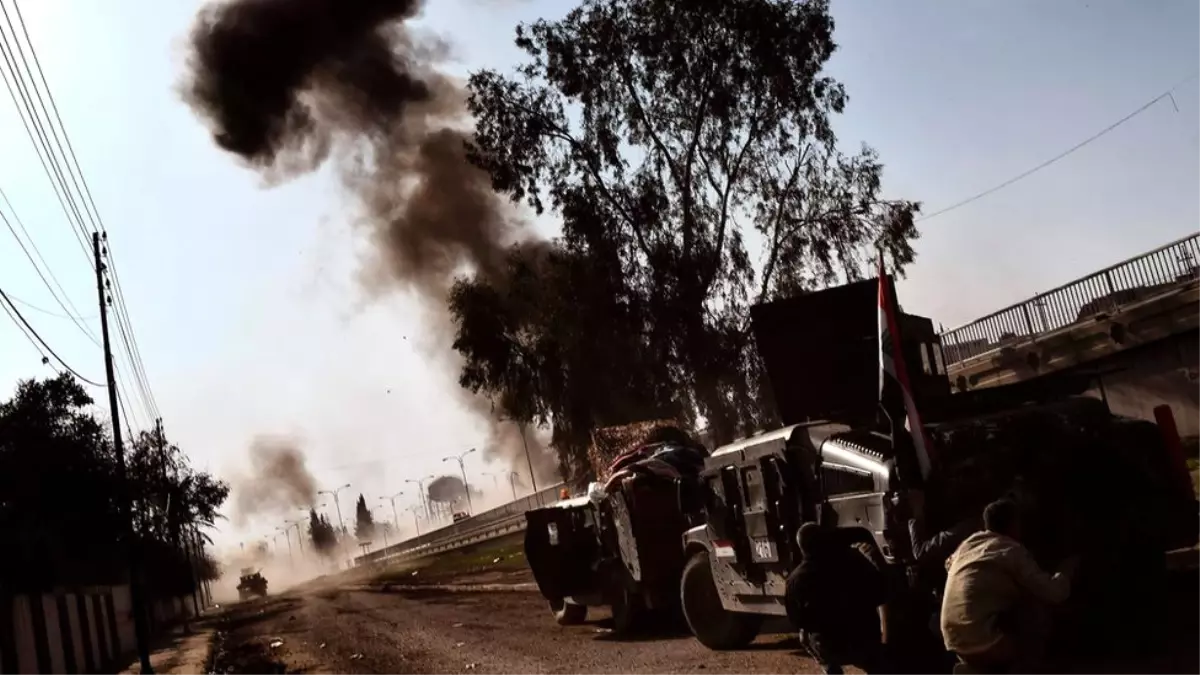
(464, 632)
(426, 630)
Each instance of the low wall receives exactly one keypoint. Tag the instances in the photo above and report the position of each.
(83, 630)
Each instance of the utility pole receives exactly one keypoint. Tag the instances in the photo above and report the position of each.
(512, 483)
(189, 545)
(136, 595)
(159, 442)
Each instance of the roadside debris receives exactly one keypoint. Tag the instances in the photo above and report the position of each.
(322, 646)
(496, 560)
(472, 666)
(276, 643)
(356, 656)
(459, 644)
(457, 625)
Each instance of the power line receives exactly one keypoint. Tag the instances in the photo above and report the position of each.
(123, 399)
(41, 145)
(45, 359)
(54, 105)
(128, 337)
(71, 167)
(30, 305)
(37, 269)
(1025, 174)
(16, 311)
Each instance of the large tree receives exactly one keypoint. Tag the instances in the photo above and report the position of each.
(688, 153)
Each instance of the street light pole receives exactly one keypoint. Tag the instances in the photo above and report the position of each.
(392, 499)
(512, 483)
(416, 521)
(421, 491)
(288, 535)
(463, 469)
(300, 530)
(383, 530)
(299, 539)
(528, 458)
(337, 502)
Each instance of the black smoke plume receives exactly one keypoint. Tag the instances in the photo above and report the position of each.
(448, 489)
(287, 85)
(279, 482)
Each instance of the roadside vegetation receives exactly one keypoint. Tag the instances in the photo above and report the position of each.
(61, 491)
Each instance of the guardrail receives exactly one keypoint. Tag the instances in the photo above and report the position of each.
(484, 525)
(1134, 279)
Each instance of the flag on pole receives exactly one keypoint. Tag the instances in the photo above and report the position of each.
(895, 392)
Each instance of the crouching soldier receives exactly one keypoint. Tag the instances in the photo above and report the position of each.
(833, 598)
(995, 608)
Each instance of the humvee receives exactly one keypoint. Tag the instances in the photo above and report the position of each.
(1097, 481)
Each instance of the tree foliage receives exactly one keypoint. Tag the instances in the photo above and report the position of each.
(687, 150)
(364, 520)
(60, 492)
(322, 534)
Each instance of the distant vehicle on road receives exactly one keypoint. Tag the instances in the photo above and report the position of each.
(459, 515)
(251, 584)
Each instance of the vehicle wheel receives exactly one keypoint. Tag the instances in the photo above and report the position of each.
(627, 610)
(714, 626)
(567, 613)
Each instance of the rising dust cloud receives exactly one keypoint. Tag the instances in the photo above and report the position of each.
(291, 85)
(278, 482)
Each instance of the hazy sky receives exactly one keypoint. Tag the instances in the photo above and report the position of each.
(244, 299)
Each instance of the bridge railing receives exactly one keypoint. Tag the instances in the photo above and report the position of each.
(433, 537)
(1129, 281)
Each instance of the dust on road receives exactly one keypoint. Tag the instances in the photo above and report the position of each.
(424, 630)
(427, 631)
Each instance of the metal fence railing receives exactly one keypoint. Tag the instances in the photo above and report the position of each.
(1130, 281)
(432, 538)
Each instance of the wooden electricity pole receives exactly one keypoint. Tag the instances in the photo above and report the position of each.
(136, 595)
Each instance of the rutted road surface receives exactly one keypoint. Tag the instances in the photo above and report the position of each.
(427, 631)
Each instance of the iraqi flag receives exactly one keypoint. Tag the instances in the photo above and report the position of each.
(895, 392)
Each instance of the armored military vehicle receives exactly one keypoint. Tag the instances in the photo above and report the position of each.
(1097, 482)
(251, 584)
(620, 545)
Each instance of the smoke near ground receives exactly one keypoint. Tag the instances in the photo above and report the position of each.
(278, 483)
(288, 85)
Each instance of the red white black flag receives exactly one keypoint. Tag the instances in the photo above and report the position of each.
(895, 392)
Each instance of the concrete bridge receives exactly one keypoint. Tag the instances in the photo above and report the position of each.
(1134, 324)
